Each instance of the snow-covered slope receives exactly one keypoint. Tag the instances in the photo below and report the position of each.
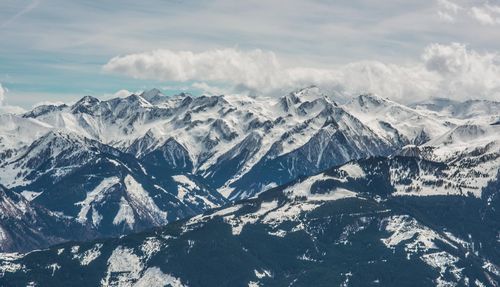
(107, 191)
(475, 110)
(223, 138)
(397, 123)
(126, 164)
(17, 132)
(319, 231)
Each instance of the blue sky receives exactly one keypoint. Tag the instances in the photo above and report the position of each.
(59, 50)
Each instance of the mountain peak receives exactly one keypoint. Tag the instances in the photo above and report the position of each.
(59, 135)
(85, 104)
(151, 94)
(310, 93)
(139, 100)
(44, 109)
(373, 100)
(304, 95)
(87, 100)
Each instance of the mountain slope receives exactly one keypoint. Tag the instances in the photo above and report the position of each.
(25, 226)
(318, 231)
(483, 110)
(224, 139)
(126, 164)
(107, 191)
(397, 123)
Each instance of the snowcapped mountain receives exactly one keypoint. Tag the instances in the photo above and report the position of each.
(225, 139)
(469, 110)
(16, 132)
(395, 122)
(351, 225)
(127, 164)
(101, 188)
(471, 151)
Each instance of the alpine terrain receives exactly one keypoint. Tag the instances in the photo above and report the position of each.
(235, 190)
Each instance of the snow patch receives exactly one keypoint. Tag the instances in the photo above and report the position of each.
(141, 198)
(262, 274)
(90, 255)
(95, 196)
(415, 236)
(303, 189)
(353, 170)
(154, 277)
(30, 195)
(7, 265)
(54, 267)
(444, 262)
(186, 181)
(238, 222)
(150, 246)
(125, 214)
(124, 267)
(288, 212)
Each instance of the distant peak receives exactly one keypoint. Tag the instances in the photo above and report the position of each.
(87, 100)
(84, 104)
(373, 100)
(151, 94)
(308, 93)
(59, 135)
(44, 109)
(154, 91)
(138, 99)
(184, 94)
(305, 89)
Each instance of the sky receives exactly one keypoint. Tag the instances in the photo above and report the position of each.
(58, 51)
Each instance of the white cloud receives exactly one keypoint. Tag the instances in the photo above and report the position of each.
(306, 33)
(254, 69)
(48, 103)
(464, 73)
(479, 11)
(486, 15)
(208, 89)
(448, 10)
(258, 71)
(2, 94)
(446, 59)
(11, 110)
(7, 108)
(445, 70)
(122, 94)
(175, 88)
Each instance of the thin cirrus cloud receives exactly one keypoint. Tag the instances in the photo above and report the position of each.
(443, 71)
(32, 5)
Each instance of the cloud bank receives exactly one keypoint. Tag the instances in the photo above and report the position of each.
(452, 71)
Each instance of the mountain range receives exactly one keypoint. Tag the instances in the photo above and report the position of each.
(272, 191)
